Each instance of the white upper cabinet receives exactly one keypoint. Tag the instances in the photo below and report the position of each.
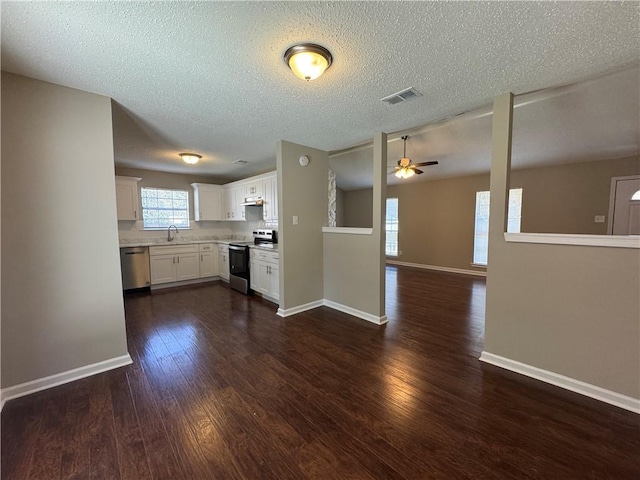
(207, 202)
(270, 207)
(233, 197)
(127, 199)
(254, 188)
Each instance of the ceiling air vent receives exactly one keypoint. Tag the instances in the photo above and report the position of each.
(402, 96)
(240, 162)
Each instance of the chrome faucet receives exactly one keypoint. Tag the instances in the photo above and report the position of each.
(169, 237)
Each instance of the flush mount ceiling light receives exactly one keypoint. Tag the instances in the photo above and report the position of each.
(190, 158)
(308, 60)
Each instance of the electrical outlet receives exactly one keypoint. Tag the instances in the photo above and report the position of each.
(295, 219)
(598, 219)
(399, 252)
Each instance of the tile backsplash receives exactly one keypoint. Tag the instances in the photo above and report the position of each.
(131, 232)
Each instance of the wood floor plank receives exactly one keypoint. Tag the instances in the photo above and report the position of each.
(131, 451)
(223, 388)
(75, 461)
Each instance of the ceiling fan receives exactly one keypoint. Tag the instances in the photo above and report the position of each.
(406, 168)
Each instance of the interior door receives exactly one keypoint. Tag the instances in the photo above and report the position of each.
(624, 210)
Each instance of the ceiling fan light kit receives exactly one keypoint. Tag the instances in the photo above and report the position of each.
(406, 168)
(405, 173)
(307, 60)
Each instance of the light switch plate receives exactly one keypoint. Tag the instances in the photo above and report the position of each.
(598, 219)
(295, 219)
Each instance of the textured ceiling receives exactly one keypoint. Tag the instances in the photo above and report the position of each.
(209, 76)
(596, 119)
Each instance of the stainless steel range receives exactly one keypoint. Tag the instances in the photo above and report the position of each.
(239, 266)
(239, 272)
(266, 238)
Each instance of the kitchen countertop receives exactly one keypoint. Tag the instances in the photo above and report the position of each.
(165, 243)
(268, 249)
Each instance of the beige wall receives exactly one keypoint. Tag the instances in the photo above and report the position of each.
(303, 192)
(354, 274)
(358, 208)
(62, 304)
(571, 310)
(339, 207)
(437, 217)
(566, 198)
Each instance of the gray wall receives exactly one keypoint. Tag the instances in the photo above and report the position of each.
(354, 264)
(437, 217)
(303, 192)
(358, 208)
(571, 310)
(62, 304)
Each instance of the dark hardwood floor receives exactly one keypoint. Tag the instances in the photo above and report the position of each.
(222, 388)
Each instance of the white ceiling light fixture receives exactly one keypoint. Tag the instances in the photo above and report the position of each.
(190, 158)
(307, 60)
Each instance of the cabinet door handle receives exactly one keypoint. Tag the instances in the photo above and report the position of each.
(201, 257)
(135, 214)
(174, 259)
(178, 259)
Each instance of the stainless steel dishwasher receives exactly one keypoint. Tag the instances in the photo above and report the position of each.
(134, 263)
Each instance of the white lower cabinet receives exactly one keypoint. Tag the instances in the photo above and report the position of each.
(173, 263)
(223, 261)
(265, 273)
(208, 260)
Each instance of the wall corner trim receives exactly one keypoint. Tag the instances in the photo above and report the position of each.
(577, 386)
(51, 381)
(369, 317)
(336, 306)
(478, 273)
(282, 312)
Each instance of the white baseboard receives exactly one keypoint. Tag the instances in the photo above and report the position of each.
(593, 391)
(336, 306)
(43, 383)
(477, 273)
(300, 308)
(182, 283)
(356, 313)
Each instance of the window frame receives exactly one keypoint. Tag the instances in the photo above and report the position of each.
(514, 221)
(179, 223)
(395, 222)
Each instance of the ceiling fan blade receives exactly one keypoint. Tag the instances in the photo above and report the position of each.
(418, 171)
(425, 164)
